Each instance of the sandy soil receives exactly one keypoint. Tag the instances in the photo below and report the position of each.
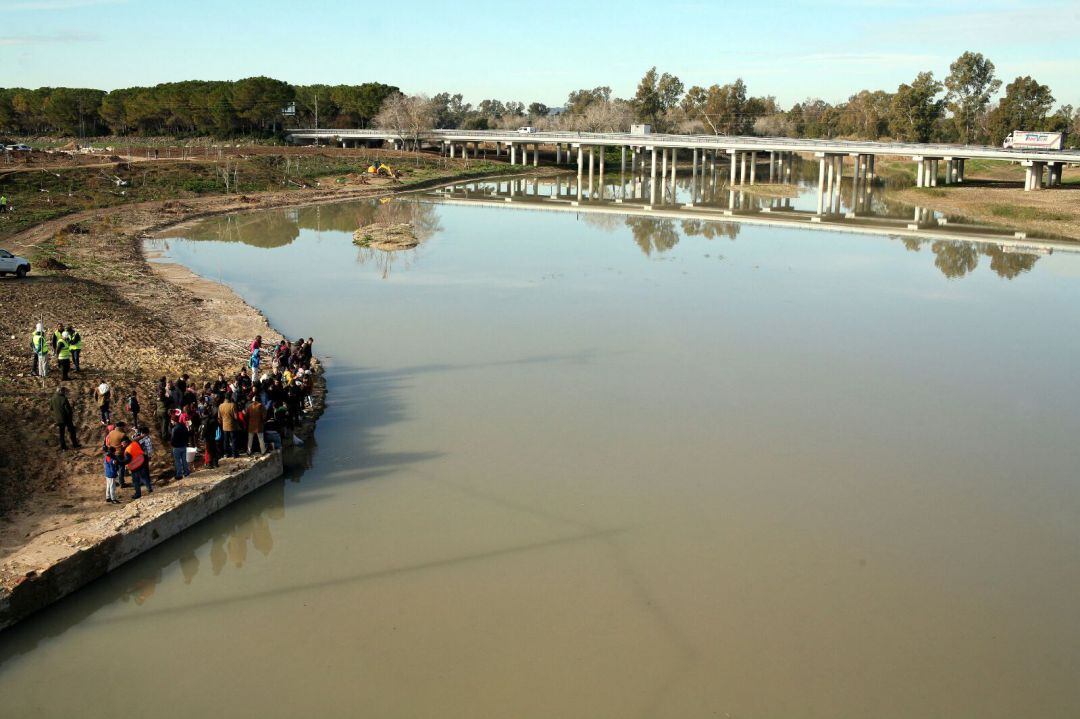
(1052, 211)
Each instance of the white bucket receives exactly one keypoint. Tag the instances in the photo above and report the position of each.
(191, 452)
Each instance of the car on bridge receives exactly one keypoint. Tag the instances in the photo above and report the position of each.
(527, 130)
(13, 264)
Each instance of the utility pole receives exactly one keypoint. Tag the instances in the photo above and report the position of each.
(316, 111)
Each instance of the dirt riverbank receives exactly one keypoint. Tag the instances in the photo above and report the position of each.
(140, 320)
(1053, 212)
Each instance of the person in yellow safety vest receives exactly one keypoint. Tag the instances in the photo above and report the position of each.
(40, 349)
(3, 203)
(63, 355)
(55, 339)
(75, 344)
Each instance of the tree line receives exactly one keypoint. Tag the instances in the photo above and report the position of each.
(961, 107)
(252, 106)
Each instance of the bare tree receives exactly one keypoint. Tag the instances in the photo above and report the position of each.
(407, 117)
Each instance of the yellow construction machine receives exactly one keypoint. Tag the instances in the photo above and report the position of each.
(379, 168)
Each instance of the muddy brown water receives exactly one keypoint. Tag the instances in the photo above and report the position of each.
(591, 465)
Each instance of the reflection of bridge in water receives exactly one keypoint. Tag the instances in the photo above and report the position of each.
(719, 211)
(865, 212)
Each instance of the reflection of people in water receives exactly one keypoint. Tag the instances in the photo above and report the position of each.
(189, 566)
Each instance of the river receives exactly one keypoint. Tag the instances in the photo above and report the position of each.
(580, 463)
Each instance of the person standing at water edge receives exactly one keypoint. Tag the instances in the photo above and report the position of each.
(229, 426)
(211, 434)
(178, 440)
(256, 417)
(62, 415)
(134, 459)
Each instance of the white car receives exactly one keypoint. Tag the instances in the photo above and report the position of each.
(19, 148)
(527, 130)
(13, 264)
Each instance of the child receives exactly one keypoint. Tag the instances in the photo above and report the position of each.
(112, 471)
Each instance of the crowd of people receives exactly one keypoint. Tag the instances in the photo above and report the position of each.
(251, 412)
(246, 414)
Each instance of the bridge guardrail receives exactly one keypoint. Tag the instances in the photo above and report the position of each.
(724, 142)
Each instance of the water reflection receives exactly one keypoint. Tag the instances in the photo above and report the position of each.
(276, 228)
(692, 207)
(704, 205)
(229, 534)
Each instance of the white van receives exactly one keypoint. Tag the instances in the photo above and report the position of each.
(527, 130)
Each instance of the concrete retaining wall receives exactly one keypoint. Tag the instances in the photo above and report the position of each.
(75, 559)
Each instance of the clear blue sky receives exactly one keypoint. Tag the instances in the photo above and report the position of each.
(538, 50)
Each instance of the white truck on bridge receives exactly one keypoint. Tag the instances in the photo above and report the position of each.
(1024, 140)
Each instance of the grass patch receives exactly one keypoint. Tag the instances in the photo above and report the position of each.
(931, 191)
(1024, 212)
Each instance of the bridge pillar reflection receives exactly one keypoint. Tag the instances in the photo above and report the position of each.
(652, 179)
(693, 176)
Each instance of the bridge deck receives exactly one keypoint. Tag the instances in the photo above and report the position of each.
(722, 143)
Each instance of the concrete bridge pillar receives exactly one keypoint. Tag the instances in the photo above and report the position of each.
(753, 167)
(832, 177)
(733, 157)
(663, 174)
(602, 149)
(742, 168)
(674, 168)
(592, 162)
(558, 153)
(772, 166)
(513, 154)
(693, 176)
(536, 155)
(821, 183)
(622, 160)
(933, 173)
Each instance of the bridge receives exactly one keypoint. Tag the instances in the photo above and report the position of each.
(652, 153)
